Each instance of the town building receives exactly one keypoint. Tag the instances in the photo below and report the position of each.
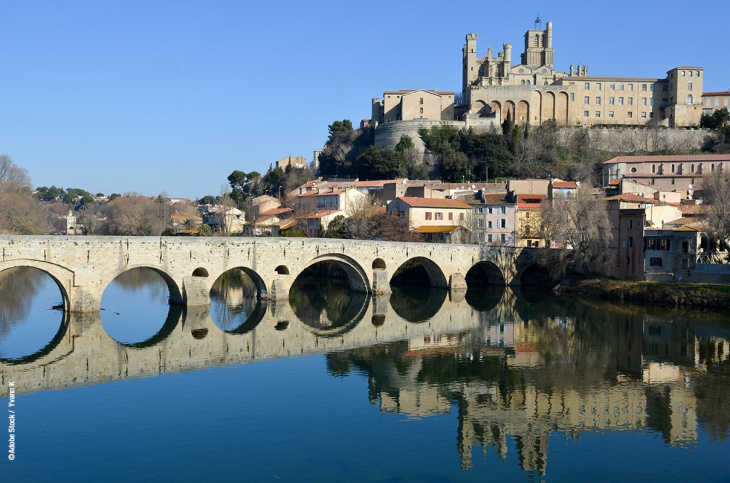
(533, 91)
(529, 220)
(712, 101)
(407, 105)
(678, 172)
(438, 219)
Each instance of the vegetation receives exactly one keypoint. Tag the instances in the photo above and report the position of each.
(719, 142)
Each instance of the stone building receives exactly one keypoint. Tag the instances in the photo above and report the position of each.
(533, 91)
(712, 101)
(681, 172)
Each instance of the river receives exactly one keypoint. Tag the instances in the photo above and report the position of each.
(420, 385)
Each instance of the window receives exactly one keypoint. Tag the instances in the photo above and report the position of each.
(657, 243)
(420, 101)
(631, 87)
(612, 87)
(620, 101)
(643, 101)
(421, 110)
(480, 223)
(655, 262)
(651, 102)
(610, 113)
(653, 168)
(598, 86)
(586, 100)
(685, 247)
(428, 215)
(643, 87)
(451, 216)
(439, 215)
(628, 261)
(598, 113)
(572, 96)
(598, 101)
(651, 88)
(586, 113)
(643, 115)
(489, 224)
(611, 101)
(489, 238)
(630, 101)
(587, 86)
(689, 85)
(503, 223)
(461, 216)
(479, 209)
(630, 115)
(682, 73)
(503, 238)
(620, 87)
(631, 241)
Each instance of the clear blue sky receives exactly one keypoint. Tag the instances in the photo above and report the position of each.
(155, 95)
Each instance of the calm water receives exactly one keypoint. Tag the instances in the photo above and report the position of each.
(422, 385)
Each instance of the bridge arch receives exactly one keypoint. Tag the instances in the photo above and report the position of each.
(436, 276)
(484, 273)
(63, 277)
(357, 277)
(173, 289)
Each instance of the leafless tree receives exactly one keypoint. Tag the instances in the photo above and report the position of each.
(22, 213)
(136, 215)
(716, 210)
(13, 178)
(579, 231)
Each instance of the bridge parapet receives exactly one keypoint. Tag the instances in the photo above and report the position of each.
(83, 266)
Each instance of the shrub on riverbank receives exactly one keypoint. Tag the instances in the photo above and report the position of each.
(660, 293)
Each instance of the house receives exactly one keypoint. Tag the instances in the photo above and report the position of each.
(494, 218)
(330, 198)
(227, 221)
(436, 218)
(529, 220)
(316, 222)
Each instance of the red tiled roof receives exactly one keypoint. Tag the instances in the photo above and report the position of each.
(320, 214)
(565, 184)
(724, 93)
(433, 202)
(669, 158)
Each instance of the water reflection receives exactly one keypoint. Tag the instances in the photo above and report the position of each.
(511, 368)
(234, 305)
(135, 309)
(326, 305)
(31, 318)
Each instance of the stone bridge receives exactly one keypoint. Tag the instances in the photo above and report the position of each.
(84, 266)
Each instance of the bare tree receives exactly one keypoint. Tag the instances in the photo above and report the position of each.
(716, 211)
(579, 231)
(22, 213)
(13, 178)
(136, 215)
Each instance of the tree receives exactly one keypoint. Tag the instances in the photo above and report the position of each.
(337, 228)
(22, 213)
(392, 227)
(376, 163)
(579, 230)
(136, 215)
(716, 210)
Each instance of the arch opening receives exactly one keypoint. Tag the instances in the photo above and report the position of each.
(282, 270)
(136, 309)
(32, 316)
(200, 272)
(323, 299)
(536, 277)
(378, 264)
(235, 301)
(419, 272)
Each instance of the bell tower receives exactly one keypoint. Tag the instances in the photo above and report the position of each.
(539, 45)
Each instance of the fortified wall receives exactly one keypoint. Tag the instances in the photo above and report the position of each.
(613, 139)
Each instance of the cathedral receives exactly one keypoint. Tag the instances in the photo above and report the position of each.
(532, 91)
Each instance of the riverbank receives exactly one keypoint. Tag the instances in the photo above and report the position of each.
(656, 293)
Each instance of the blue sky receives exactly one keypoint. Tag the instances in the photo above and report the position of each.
(171, 96)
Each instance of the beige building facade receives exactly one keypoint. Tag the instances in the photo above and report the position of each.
(408, 105)
(532, 91)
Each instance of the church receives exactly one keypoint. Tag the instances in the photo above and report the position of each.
(532, 91)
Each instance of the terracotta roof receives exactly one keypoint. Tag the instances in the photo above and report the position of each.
(668, 158)
(320, 214)
(565, 184)
(633, 198)
(274, 211)
(433, 202)
(723, 93)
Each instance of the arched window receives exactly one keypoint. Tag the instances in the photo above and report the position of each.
(672, 168)
(653, 168)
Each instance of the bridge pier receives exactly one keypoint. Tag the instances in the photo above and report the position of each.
(278, 290)
(380, 282)
(84, 299)
(195, 292)
(457, 282)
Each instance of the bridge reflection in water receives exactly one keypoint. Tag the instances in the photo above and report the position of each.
(525, 368)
